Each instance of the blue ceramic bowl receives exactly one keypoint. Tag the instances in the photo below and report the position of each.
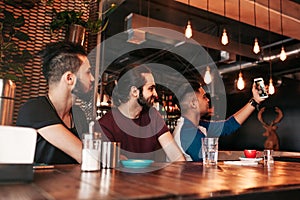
(136, 163)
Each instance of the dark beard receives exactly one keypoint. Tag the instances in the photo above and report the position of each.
(142, 101)
(79, 92)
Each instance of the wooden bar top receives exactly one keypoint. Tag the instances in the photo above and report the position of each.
(178, 180)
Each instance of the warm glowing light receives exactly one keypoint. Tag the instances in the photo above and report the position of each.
(256, 48)
(98, 100)
(282, 54)
(271, 87)
(104, 103)
(240, 82)
(188, 30)
(207, 76)
(224, 39)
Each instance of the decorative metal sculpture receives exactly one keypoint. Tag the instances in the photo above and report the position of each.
(272, 141)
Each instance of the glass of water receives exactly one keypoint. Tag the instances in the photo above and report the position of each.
(210, 151)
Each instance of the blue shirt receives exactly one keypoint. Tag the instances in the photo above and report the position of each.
(188, 137)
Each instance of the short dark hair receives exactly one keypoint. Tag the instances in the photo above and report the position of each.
(189, 87)
(186, 89)
(60, 57)
(130, 76)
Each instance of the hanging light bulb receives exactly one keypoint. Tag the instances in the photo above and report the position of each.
(271, 87)
(188, 30)
(240, 82)
(282, 54)
(207, 76)
(256, 48)
(224, 39)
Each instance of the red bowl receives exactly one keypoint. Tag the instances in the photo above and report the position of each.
(250, 153)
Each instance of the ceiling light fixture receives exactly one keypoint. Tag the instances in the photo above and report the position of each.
(271, 87)
(188, 31)
(240, 83)
(224, 38)
(282, 53)
(207, 76)
(256, 48)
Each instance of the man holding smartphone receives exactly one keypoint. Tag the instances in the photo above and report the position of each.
(261, 87)
(191, 128)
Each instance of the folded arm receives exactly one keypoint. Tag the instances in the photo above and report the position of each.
(63, 139)
(170, 147)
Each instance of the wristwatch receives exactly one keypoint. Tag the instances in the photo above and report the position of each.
(254, 104)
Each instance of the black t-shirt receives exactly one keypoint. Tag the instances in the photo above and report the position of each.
(38, 113)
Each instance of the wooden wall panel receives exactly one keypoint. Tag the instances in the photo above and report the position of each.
(37, 22)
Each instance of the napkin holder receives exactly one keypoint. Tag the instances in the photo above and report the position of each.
(17, 149)
(16, 173)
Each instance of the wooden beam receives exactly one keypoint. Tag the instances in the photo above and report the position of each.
(290, 13)
(135, 21)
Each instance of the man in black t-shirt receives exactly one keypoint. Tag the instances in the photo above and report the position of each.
(68, 74)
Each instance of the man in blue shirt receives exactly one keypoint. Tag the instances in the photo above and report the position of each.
(191, 128)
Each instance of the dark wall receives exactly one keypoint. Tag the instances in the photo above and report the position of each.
(287, 98)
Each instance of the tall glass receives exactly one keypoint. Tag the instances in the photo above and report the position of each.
(91, 150)
(210, 151)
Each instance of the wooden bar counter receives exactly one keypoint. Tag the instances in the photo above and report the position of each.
(179, 180)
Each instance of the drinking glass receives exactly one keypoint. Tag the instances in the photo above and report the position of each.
(91, 150)
(210, 151)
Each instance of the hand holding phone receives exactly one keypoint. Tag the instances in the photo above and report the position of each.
(259, 82)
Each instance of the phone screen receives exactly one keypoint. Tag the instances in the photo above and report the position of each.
(261, 87)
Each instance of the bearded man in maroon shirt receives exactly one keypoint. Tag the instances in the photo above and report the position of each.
(134, 122)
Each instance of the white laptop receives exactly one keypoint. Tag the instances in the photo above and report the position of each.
(17, 145)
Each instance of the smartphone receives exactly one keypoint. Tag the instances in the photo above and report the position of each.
(259, 82)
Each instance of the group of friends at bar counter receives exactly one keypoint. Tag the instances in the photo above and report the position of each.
(132, 121)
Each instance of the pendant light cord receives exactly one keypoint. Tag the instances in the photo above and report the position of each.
(269, 18)
(148, 14)
(281, 26)
(189, 9)
(281, 17)
(240, 59)
(255, 13)
(207, 5)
